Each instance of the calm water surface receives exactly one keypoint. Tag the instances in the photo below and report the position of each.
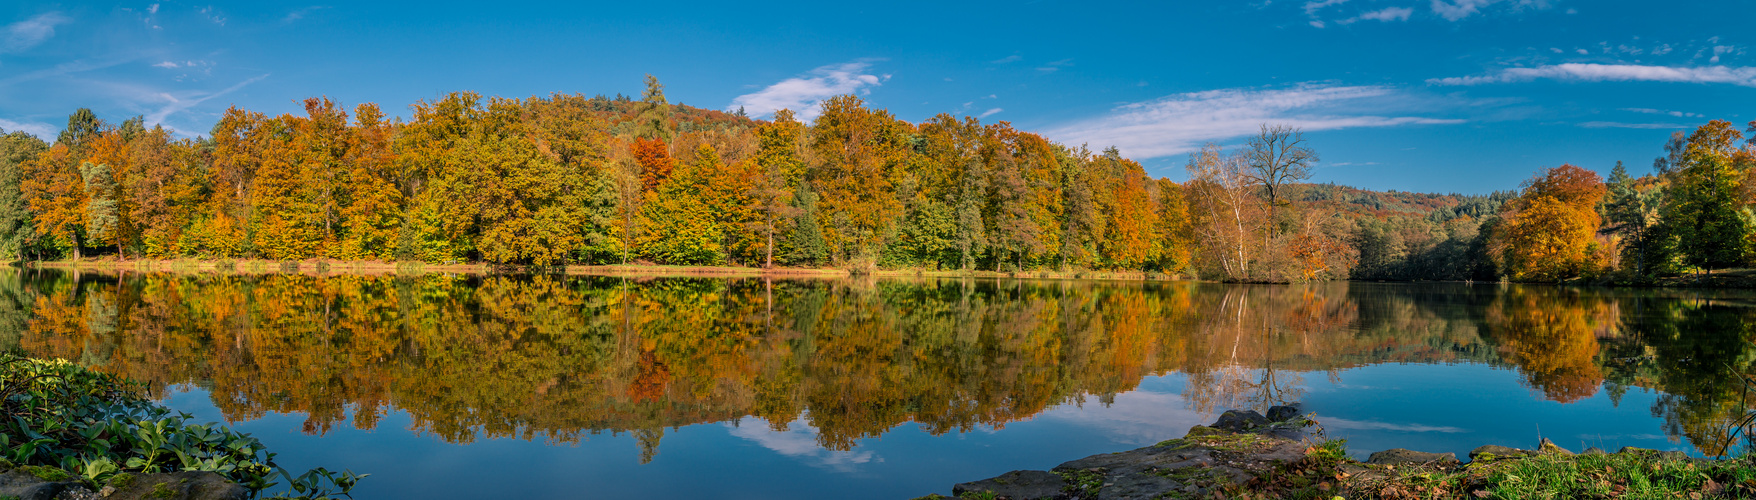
(586, 387)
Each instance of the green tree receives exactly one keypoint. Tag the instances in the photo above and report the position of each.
(102, 210)
(16, 148)
(1704, 210)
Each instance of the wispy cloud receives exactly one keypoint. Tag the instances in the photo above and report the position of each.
(803, 93)
(213, 15)
(1650, 111)
(301, 13)
(1055, 66)
(1453, 10)
(1387, 15)
(1007, 59)
(22, 35)
(1633, 125)
(43, 131)
(1743, 76)
(991, 112)
(1180, 123)
(66, 68)
(179, 104)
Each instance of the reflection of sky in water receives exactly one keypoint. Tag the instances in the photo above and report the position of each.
(800, 442)
(1445, 408)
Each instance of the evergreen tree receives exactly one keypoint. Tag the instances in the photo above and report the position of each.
(807, 246)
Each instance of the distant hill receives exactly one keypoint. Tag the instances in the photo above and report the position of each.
(1385, 204)
(621, 110)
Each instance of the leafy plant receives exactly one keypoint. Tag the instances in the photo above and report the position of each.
(60, 418)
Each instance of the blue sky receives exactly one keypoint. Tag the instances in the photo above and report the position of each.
(1420, 95)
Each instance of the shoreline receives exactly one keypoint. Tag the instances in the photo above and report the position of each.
(318, 267)
(1734, 279)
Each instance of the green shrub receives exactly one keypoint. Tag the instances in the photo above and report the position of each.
(66, 421)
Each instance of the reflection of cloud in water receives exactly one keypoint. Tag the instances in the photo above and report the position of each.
(1623, 437)
(799, 441)
(1137, 418)
(1368, 425)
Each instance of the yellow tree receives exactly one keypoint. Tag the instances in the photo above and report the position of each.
(859, 151)
(1550, 228)
(370, 215)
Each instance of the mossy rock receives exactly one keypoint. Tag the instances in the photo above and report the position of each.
(187, 485)
(1202, 430)
(122, 480)
(47, 473)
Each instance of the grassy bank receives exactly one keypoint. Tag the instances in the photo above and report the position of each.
(67, 423)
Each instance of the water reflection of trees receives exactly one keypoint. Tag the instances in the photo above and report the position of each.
(555, 358)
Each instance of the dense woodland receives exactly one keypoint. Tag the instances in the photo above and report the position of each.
(567, 179)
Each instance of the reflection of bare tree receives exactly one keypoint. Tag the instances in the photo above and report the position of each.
(1250, 336)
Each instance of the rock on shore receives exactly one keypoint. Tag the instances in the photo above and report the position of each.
(1239, 447)
(41, 483)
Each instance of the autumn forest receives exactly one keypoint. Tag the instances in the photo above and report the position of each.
(569, 180)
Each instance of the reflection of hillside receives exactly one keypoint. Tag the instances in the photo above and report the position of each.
(556, 358)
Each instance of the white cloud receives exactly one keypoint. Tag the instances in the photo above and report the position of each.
(1386, 15)
(1312, 7)
(1633, 125)
(1453, 10)
(1581, 51)
(1719, 50)
(213, 15)
(1662, 50)
(800, 442)
(1650, 111)
(990, 112)
(1007, 59)
(1744, 76)
(43, 131)
(802, 93)
(178, 104)
(1180, 123)
(22, 35)
(167, 65)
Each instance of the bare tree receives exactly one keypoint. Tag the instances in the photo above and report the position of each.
(1278, 156)
(1225, 208)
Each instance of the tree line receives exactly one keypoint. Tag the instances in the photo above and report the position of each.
(565, 179)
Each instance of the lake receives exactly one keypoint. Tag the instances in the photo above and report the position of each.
(446, 386)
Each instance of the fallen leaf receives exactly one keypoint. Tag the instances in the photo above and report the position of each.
(1481, 493)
